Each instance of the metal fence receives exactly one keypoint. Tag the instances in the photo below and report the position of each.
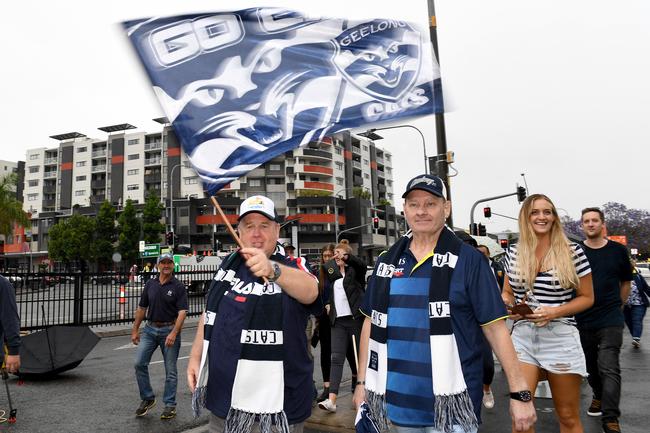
(96, 299)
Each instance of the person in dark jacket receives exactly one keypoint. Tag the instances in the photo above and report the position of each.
(347, 274)
(9, 326)
(636, 306)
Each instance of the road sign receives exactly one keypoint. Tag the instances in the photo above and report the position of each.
(150, 250)
(141, 246)
(634, 251)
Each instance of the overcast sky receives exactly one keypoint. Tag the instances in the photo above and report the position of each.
(557, 90)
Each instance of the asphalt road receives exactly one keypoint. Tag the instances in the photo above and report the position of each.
(101, 396)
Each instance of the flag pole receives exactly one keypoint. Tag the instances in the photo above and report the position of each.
(441, 137)
(231, 230)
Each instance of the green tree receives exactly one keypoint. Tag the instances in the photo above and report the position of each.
(360, 192)
(152, 228)
(11, 210)
(71, 239)
(105, 235)
(129, 228)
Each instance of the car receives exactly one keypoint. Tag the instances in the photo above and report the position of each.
(644, 270)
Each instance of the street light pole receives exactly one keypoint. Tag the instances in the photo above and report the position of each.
(336, 212)
(171, 197)
(424, 144)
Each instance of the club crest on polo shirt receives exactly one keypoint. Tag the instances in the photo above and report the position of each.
(170, 293)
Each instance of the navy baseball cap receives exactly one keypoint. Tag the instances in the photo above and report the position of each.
(165, 256)
(429, 183)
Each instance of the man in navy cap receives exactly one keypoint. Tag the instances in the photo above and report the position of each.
(164, 304)
(428, 304)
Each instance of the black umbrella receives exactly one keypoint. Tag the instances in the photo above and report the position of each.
(55, 350)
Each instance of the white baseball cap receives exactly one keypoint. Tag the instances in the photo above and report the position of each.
(259, 204)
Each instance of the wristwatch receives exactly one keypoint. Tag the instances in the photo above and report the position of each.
(524, 396)
(276, 273)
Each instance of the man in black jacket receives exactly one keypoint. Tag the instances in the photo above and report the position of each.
(9, 326)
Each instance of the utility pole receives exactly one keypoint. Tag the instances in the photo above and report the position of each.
(441, 137)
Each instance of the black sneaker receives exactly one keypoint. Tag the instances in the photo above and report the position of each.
(169, 412)
(144, 407)
(594, 409)
(611, 426)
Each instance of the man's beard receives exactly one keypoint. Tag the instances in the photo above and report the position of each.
(595, 236)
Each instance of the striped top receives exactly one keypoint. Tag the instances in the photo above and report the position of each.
(547, 289)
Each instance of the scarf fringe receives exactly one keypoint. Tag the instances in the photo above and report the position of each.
(239, 421)
(198, 399)
(377, 404)
(454, 409)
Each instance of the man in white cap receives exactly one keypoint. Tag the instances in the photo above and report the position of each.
(253, 341)
(164, 304)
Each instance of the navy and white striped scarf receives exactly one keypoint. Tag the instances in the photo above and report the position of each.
(262, 350)
(452, 401)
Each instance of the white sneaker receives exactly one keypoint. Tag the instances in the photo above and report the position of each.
(636, 343)
(488, 399)
(327, 405)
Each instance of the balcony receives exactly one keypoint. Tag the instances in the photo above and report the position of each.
(152, 161)
(314, 169)
(154, 145)
(97, 198)
(49, 174)
(381, 174)
(379, 160)
(98, 184)
(356, 164)
(51, 161)
(381, 188)
(356, 149)
(152, 178)
(49, 202)
(98, 168)
(357, 181)
(99, 153)
(323, 186)
(314, 153)
(49, 189)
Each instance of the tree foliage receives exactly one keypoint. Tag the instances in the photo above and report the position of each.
(11, 210)
(152, 228)
(129, 228)
(71, 239)
(621, 221)
(105, 234)
(360, 192)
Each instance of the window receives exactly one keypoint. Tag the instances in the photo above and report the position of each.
(133, 187)
(34, 169)
(80, 178)
(80, 192)
(365, 161)
(338, 150)
(134, 141)
(190, 180)
(387, 157)
(339, 165)
(275, 167)
(81, 149)
(365, 148)
(33, 183)
(32, 197)
(133, 172)
(366, 175)
(275, 181)
(254, 182)
(134, 156)
(339, 181)
(81, 163)
(33, 156)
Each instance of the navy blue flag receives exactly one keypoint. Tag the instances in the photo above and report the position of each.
(241, 88)
(364, 421)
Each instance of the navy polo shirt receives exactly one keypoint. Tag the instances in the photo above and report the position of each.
(474, 301)
(163, 301)
(225, 348)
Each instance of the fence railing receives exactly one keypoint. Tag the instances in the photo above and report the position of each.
(94, 299)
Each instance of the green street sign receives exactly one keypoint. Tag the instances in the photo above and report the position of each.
(150, 250)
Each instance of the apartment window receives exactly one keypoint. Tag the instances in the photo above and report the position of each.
(365, 148)
(82, 149)
(387, 157)
(254, 182)
(275, 181)
(33, 156)
(132, 187)
(80, 178)
(33, 183)
(134, 141)
(80, 192)
(339, 181)
(190, 180)
(134, 156)
(366, 175)
(275, 167)
(338, 151)
(34, 169)
(339, 165)
(32, 197)
(132, 172)
(81, 163)
(365, 161)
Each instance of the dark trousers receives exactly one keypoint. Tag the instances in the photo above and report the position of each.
(634, 315)
(325, 339)
(342, 331)
(602, 348)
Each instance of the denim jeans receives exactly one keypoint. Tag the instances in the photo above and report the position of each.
(150, 339)
(401, 429)
(634, 315)
(602, 348)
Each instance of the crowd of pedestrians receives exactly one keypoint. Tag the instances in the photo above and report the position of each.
(420, 335)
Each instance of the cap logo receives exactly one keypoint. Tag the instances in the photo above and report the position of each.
(422, 179)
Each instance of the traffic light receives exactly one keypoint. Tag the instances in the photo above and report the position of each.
(503, 243)
(375, 223)
(169, 237)
(521, 193)
(487, 212)
(473, 229)
(481, 230)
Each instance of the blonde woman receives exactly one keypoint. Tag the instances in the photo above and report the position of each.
(552, 276)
